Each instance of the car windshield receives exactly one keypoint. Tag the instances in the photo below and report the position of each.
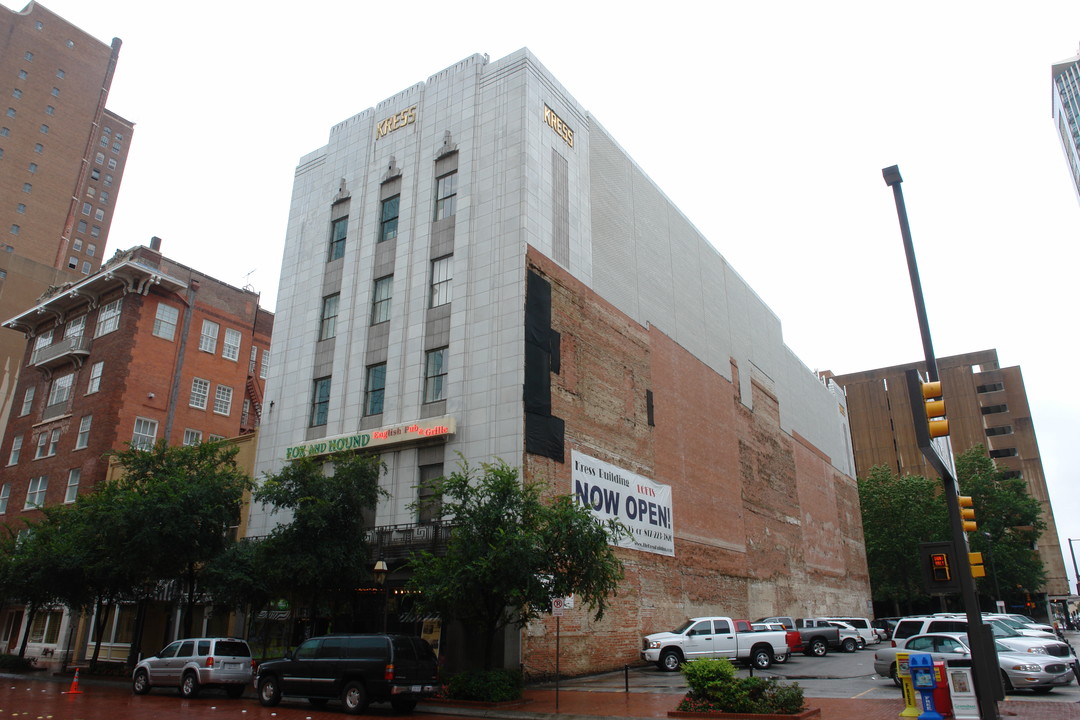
(1014, 624)
(683, 628)
(1001, 630)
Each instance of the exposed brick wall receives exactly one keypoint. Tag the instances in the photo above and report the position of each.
(763, 523)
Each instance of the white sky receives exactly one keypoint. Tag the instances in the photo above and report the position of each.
(767, 123)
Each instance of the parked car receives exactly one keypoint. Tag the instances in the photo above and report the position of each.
(920, 625)
(713, 637)
(885, 626)
(791, 637)
(192, 664)
(850, 639)
(1019, 670)
(355, 669)
(815, 638)
(862, 625)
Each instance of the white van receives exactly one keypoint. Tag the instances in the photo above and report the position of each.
(866, 630)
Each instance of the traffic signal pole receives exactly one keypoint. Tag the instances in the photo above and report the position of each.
(988, 688)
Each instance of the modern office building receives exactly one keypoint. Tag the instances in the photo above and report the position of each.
(1066, 112)
(142, 350)
(474, 268)
(62, 157)
(987, 405)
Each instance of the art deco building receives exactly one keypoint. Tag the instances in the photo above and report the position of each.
(142, 350)
(474, 266)
(62, 157)
(1066, 113)
(987, 405)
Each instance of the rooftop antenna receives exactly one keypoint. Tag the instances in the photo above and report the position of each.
(247, 281)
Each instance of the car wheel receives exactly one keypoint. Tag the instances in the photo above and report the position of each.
(318, 702)
(354, 698)
(1005, 682)
(403, 705)
(849, 645)
(269, 691)
(895, 678)
(781, 658)
(761, 659)
(140, 684)
(234, 691)
(817, 648)
(189, 686)
(670, 660)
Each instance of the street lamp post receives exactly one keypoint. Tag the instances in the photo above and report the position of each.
(380, 571)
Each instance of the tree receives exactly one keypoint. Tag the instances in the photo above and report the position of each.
(510, 553)
(1010, 524)
(321, 556)
(898, 513)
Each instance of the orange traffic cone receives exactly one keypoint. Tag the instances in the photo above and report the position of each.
(74, 689)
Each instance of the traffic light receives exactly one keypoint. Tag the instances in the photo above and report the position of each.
(935, 409)
(967, 514)
(939, 567)
(977, 569)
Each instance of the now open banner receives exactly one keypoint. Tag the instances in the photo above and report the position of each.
(642, 505)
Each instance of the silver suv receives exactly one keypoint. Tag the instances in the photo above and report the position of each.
(909, 626)
(194, 663)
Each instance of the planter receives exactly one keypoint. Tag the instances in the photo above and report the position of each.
(806, 714)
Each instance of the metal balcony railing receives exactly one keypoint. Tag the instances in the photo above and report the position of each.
(60, 352)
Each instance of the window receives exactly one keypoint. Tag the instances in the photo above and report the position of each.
(72, 485)
(375, 389)
(145, 434)
(50, 110)
(86, 267)
(27, 187)
(104, 141)
(208, 337)
(20, 208)
(43, 340)
(230, 349)
(389, 218)
(99, 158)
(16, 93)
(54, 441)
(251, 361)
(990, 387)
(328, 324)
(83, 438)
(214, 438)
(445, 195)
(55, 92)
(223, 400)
(245, 409)
(5, 132)
(75, 328)
(35, 493)
(96, 371)
(60, 74)
(73, 262)
(320, 401)
(192, 437)
(86, 208)
(112, 163)
(32, 167)
(108, 318)
(994, 409)
(1003, 453)
(61, 389)
(16, 450)
(42, 446)
(28, 401)
(29, 56)
(39, 148)
(11, 112)
(15, 229)
(91, 248)
(441, 275)
(338, 230)
(165, 321)
(99, 214)
(435, 375)
(76, 244)
(103, 197)
(200, 391)
(5, 493)
(108, 180)
(44, 129)
(999, 430)
(380, 304)
(429, 505)
(265, 367)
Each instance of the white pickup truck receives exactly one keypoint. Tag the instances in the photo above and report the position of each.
(713, 637)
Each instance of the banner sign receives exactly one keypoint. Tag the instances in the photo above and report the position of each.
(637, 502)
(377, 438)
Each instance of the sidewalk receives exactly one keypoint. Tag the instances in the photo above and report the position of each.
(543, 704)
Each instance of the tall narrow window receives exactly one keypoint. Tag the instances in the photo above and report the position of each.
(54, 441)
(35, 493)
(230, 349)
(251, 362)
(442, 274)
(320, 402)
(28, 401)
(61, 389)
(108, 318)
(83, 438)
(72, 485)
(265, 366)
(223, 400)
(16, 450)
(435, 375)
(328, 323)
(75, 328)
(380, 304)
(165, 321)
(375, 389)
(42, 446)
(445, 195)
(5, 493)
(145, 434)
(388, 221)
(338, 230)
(208, 336)
(96, 370)
(430, 506)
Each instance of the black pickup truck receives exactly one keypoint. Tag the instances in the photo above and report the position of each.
(817, 637)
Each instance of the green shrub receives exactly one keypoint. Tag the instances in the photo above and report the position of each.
(486, 685)
(714, 688)
(15, 663)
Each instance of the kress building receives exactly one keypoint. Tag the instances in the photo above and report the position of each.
(475, 266)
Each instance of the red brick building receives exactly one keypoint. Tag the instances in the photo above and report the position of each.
(143, 350)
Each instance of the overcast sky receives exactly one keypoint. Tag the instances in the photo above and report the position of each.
(767, 123)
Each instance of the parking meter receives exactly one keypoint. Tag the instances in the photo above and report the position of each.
(924, 679)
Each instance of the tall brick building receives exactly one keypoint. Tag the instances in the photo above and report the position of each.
(987, 405)
(62, 157)
(144, 349)
(474, 266)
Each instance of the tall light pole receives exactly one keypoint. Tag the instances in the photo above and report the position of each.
(380, 571)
